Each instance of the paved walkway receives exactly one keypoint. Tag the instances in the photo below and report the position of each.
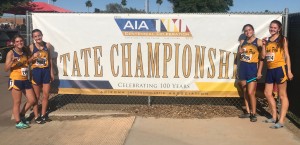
(126, 130)
(216, 131)
(93, 131)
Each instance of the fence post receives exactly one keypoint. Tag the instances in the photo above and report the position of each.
(27, 28)
(149, 100)
(147, 6)
(27, 38)
(286, 16)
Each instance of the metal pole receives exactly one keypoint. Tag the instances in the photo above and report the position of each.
(149, 100)
(286, 16)
(27, 37)
(27, 28)
(15, 25)
(147, 6)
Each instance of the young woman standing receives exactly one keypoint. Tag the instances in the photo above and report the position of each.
(248, 69)
(16, 62)
(42, 70)
(275, 51)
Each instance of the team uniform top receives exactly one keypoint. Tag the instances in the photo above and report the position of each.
(42, 60)
(19, 70)
(250, 53)
(274, 54)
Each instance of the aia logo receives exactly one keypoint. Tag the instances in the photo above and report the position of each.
(153, 27)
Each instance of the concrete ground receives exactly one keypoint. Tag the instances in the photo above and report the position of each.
(121, 129)
(216, 131)
(96, 131)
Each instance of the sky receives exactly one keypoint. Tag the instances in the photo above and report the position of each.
(238, 5)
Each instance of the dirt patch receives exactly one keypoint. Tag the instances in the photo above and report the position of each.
(183, 111)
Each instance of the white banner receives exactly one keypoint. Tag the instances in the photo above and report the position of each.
(148, 54)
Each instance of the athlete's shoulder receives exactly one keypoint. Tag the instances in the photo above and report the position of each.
(10, 52)
(259, 42)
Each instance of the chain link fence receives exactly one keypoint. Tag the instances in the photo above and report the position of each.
(151, 106)
(148, 106)
(186, 107)
(176, 107)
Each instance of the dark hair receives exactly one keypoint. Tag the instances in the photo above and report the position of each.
(17, 36)
(36, 30)
(24, 49)
(281, 37)
(248, 25)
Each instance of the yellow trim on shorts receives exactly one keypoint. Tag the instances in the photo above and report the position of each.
(284, 73)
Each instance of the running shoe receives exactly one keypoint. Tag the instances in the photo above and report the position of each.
(245, 115)
(46, 118)
(22, 125)
(24, 120)
(39, 120)
(253, 118)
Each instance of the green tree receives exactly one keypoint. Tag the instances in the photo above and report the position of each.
(97, 10)
(158, 2)
(9, 4)
(53, 1)
(124, 2)
(118, 8)
(202, 6)
(88, 4)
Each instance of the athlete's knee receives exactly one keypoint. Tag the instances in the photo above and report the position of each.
(283, 95)
(251, 93)
(45, 96)
(17, 103)
(268, 94)
(31, 101)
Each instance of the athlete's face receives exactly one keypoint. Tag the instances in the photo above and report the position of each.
(274, 29)
(248, 31)
(19, 43)
(37, 37)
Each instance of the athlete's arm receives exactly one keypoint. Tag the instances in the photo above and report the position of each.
(9, 61)
(263, 49)
(33, 56)
(240, 47)
(261, 61)
(51, 49)
(287, 59)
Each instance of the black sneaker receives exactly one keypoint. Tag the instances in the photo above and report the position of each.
(245, 115)
(46, 118)
(253, 118)
(39, 120)
(23, 119)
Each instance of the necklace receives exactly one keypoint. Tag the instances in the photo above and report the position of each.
(18, 52)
